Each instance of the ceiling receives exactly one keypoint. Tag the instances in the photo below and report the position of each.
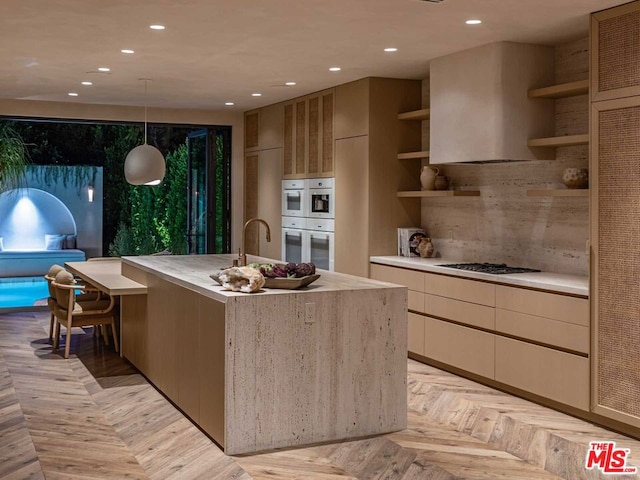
(212, 52)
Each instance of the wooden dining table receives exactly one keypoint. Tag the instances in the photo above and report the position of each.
(106, 275)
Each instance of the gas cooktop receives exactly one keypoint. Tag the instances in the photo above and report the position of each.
(495, 268)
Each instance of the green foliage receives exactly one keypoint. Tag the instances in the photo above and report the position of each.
(79, 176)
(13, 158)
(175, 183)
(157, 215)
(123, 243)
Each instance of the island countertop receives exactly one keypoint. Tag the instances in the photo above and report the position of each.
(193, 272)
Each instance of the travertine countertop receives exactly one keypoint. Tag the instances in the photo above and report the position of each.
(554, 282)
(192, 272)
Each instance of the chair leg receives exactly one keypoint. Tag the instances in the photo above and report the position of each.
(56, 340)
(53, 318)
(115, 335)
(105, 333)
(67, 347)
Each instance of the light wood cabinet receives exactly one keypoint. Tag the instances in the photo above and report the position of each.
(615, 212)
(531, 340)
(543, 330)
(482, 293)
(549, 373)
(615, 64)
(308, 134)
(415, 333)
(368, 176)
(542, 304)
(263, 199)
(263, 128)
(461, 347)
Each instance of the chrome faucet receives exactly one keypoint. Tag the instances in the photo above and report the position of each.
(242, 256)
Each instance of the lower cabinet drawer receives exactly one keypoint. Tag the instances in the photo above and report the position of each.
(544, 330)
(411, 279)
(459, 346)
(464, 312)
(415, 334)
(415, 301)
(549, 373)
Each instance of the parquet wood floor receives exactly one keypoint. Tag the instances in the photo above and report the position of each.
(94, 417)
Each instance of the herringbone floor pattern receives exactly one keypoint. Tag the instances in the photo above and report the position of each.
(93, 417)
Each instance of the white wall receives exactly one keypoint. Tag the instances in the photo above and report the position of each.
(79, 111)
(72, 190)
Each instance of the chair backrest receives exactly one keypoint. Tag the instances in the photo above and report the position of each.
(50, 276)
(62, 294)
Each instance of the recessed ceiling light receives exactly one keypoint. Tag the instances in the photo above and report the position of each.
(256, 94)
(229, 104)
(157, 27)
(335, 69)
(290, 84)
(391, 49)
(72, 94)
(104, 69)
(127, 50)
(87, 83)
(473, 22)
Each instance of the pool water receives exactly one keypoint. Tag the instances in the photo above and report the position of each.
(22, 291)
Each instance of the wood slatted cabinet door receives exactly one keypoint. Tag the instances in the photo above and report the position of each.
(251, 130)
(615, 52)
(615, 258)
(288, 169)
(320, 161)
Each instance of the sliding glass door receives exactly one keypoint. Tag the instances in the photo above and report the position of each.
(208, 191)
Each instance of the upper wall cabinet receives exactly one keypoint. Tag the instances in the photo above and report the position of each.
(479, 105)
(308, 136)
(264, 128)
(352, 109)
(614, 44)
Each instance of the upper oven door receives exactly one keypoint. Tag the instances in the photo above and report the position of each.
(294, 198)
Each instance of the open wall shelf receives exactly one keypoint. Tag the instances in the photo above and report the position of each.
(571, 89)
(410, 155)
(562, 141)
(422, 114)
(439, 193)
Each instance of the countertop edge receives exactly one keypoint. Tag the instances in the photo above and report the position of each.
(547, 281)
(334, 281)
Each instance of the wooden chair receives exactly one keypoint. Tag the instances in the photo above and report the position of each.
(71, 313)
(90, 294)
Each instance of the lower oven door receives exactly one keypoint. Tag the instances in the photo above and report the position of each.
(293, 245)
(320, 249)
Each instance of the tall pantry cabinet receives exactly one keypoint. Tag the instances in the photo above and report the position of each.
(263, 149)
(368, 174)
(615, 212)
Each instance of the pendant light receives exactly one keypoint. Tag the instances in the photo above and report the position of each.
(144, 164)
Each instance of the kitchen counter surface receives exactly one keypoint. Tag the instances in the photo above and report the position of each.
(192, 271)
(554, 282)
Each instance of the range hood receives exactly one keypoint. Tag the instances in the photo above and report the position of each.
(480, 112)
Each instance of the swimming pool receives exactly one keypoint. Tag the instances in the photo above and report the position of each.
(22, 291)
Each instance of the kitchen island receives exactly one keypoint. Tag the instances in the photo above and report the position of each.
(276, 368)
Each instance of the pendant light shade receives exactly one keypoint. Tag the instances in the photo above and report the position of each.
(144, 164)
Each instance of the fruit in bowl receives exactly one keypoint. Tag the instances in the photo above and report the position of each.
(285, 270)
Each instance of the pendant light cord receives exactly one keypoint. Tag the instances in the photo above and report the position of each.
(145, 111)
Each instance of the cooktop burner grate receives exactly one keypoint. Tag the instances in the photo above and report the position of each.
(495, 268)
